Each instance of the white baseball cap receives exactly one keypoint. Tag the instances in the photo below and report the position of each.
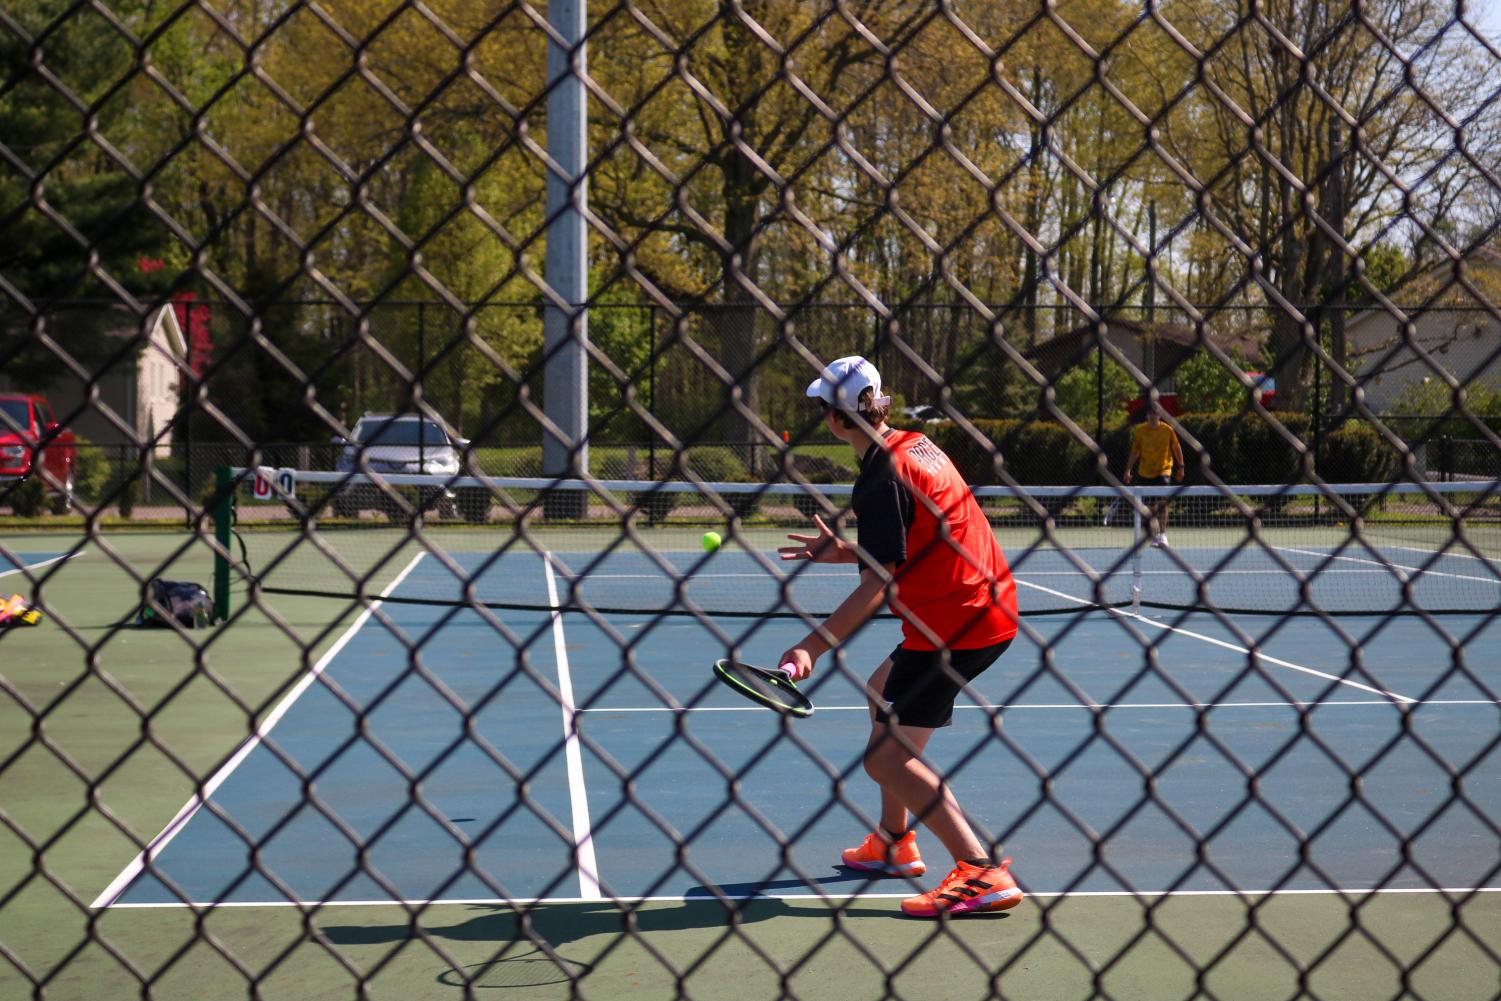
(842, 382)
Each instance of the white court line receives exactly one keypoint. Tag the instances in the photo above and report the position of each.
(1123, 571)
(578, 796)
(841, 898)
(1444, 553)
(1359, 703)
(189, 809)
(1228, 646)
(44, 563)
(1387, 565)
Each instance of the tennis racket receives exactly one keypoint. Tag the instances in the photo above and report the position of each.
(772, 689)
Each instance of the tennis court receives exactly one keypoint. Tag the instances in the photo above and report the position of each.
(466, 703)
(463, 788)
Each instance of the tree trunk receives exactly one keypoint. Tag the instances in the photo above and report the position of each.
(737, 325)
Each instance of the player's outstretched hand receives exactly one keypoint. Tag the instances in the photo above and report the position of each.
(825, 547)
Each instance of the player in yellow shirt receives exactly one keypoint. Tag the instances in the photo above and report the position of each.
(1158, 458)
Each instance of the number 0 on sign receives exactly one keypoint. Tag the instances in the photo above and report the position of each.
(274, 482)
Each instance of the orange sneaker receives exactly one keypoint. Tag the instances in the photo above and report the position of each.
(967, 888)
(893, 858)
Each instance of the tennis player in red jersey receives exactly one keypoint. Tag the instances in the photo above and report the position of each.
(925, 547)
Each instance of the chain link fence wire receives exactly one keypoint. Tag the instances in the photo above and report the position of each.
(232, 231)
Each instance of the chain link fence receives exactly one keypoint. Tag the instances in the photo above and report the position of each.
(233, 230)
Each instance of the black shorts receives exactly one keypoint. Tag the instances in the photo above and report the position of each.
(920, 690)
(1158, 481)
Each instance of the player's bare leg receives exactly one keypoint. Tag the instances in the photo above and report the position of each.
(893, 760)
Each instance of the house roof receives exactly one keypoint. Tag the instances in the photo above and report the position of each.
(164, 327)
(1058, 354)
(1439, 287)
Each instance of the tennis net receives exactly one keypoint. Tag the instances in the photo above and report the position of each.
(627, 546)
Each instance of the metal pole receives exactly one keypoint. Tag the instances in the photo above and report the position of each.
(651, 390)
(1136, 536)
(1337, 263)
(1099, 391)
(224, 510)
(565, 327)
(1151, 296)
(421, 365)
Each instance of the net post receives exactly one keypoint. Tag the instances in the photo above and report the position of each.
(223, 523)
(1135, 553)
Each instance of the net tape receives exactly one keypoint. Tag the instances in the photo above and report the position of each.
(249, 202)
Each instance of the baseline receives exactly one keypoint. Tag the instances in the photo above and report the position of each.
(1020, 706)
(708, 897)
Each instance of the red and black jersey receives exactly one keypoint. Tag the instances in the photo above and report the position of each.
(912, 508)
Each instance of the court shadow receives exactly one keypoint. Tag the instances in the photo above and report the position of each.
(529, 944)
(559, 924)
(765, 887)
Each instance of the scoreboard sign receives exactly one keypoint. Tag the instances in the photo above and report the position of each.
(269, 483)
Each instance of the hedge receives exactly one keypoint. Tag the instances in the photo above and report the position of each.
(1238, 448)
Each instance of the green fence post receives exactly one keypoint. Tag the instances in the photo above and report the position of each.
(224, 513)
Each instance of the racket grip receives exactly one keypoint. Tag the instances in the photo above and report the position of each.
(789, 669)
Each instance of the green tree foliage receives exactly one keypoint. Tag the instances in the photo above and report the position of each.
(1433, 398)
(963, 197)
(72, 223)
(1204, 385)
(1081, 390)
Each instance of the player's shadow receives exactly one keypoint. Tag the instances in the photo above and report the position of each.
(558, 924)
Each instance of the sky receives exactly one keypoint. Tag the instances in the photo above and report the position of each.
(1486, 14)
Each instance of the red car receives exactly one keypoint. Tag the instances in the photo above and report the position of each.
(28, 430)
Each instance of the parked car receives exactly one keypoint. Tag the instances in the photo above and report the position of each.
(928, 415)
(1265, 385)
(402, 443)
(30, 436)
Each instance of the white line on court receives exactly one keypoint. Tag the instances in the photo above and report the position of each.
(578, 796)
(1388, 565)
(159, 843)
(1446, 553)
(1102, 571)
(43, 563)
(1357, 703)
(1228, 646)
(841, 898)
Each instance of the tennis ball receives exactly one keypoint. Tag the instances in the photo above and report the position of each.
(712, 541)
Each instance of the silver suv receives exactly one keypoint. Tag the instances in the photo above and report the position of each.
(392, 443)
(398, 443)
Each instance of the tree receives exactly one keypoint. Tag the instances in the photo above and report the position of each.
(72, 224)
(1267, 187)
(1205, 386)
(1083, 395)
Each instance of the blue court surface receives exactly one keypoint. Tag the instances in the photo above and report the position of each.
(17, 562)
(439, 739)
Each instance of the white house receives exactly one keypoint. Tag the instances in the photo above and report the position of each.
(1460, 335)
(142, 390)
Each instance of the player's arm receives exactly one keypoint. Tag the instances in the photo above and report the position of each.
(853, 612)
(1131, 459)
(1177, 457)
